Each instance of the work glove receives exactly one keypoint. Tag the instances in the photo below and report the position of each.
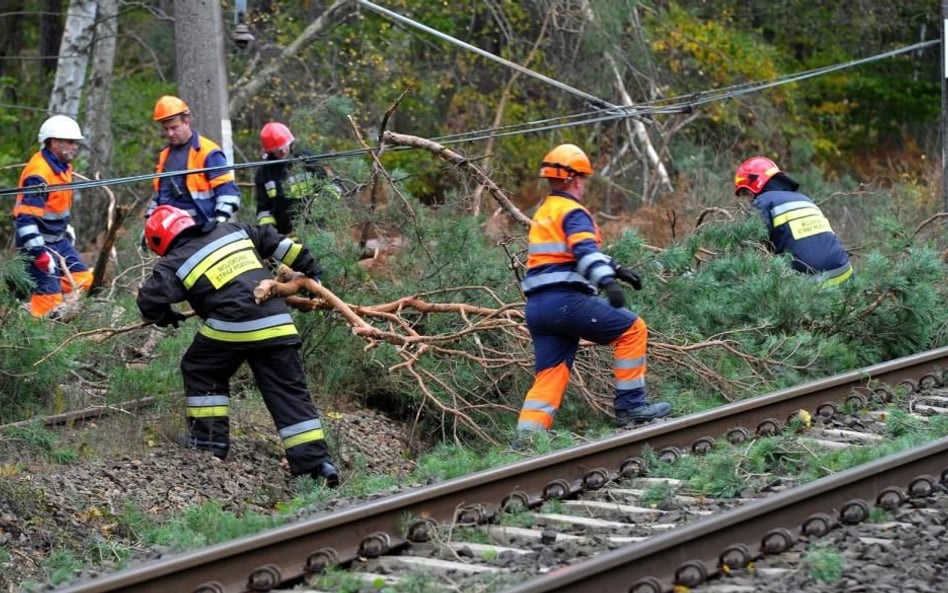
(313, 271)
(211, 224)
(71, 234)
(170, 317)
(44, 262)
(629, 277)
(615, 295)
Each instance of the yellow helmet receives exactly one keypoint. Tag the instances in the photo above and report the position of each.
(565, 161)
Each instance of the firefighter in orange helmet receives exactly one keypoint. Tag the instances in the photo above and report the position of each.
(216, 271)
(565, 270)
(41, 218)
(795, 224)
(211, 196)
(286, 189)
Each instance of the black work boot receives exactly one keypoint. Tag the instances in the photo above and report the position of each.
(327, 471)
(643, 413)
(219, 450)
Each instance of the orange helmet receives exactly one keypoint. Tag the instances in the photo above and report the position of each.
(274, 136)
(754, 173)
(164, 224)
(564, 162)
(170, 106)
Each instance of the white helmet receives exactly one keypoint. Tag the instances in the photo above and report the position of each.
(61, 127)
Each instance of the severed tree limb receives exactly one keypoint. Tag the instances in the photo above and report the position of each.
(461, 161)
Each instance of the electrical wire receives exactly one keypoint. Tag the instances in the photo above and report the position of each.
(681, 104)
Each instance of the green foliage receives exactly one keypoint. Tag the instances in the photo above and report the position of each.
(32, 366)
(825, 563)
(658, 495)
(205, 525)
(34, 437)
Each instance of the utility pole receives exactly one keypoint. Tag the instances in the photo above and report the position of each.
(202, 69)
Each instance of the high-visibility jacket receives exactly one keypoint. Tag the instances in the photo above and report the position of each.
(205, 195)
(797, 226)
(42, 217)
(282, 188)
(563, 248)
(216, 273)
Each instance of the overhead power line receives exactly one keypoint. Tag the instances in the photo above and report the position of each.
(682, 104)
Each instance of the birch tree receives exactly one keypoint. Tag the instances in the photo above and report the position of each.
(74, 52)
(88, 217)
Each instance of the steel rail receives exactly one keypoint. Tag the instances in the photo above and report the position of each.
(687, 556)
(286, 554)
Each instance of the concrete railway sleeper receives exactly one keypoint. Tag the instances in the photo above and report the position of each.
(587, 501)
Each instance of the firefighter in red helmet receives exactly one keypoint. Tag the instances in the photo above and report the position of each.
(216, 271)
(795, 224)
(565, 270)
(285, 189)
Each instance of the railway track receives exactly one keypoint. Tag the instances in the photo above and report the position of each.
(585, 523)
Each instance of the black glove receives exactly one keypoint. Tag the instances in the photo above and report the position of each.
(314, 272)
(171, 318)
(629, 277)
(615, 295)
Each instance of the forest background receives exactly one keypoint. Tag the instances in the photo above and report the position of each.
(709, 82)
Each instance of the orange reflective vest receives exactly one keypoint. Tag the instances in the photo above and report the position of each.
(42, 217)
(550, 259)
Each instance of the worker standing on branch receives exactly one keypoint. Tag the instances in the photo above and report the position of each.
(41, 218)
(216, 271)
(210, 196)
(283, 189)
(795, 224)
(565, 269)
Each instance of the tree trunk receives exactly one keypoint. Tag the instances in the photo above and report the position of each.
(74, 52)
(11, 36)
(51, 34)
(201, 68)
(89, 214)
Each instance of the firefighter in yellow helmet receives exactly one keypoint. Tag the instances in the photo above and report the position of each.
(565, 271)
(209, 197)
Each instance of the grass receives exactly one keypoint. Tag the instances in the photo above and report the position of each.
(826, 564)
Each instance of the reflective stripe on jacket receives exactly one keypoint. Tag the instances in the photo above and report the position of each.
(217, 272)
(797, 226)
(564, 248)
(211, 192)
(42, 217)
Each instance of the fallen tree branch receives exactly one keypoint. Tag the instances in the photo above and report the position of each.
(461, 161)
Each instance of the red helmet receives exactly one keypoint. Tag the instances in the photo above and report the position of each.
(274, 136)
(164, 224)
(565, 161)
(754, 173)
